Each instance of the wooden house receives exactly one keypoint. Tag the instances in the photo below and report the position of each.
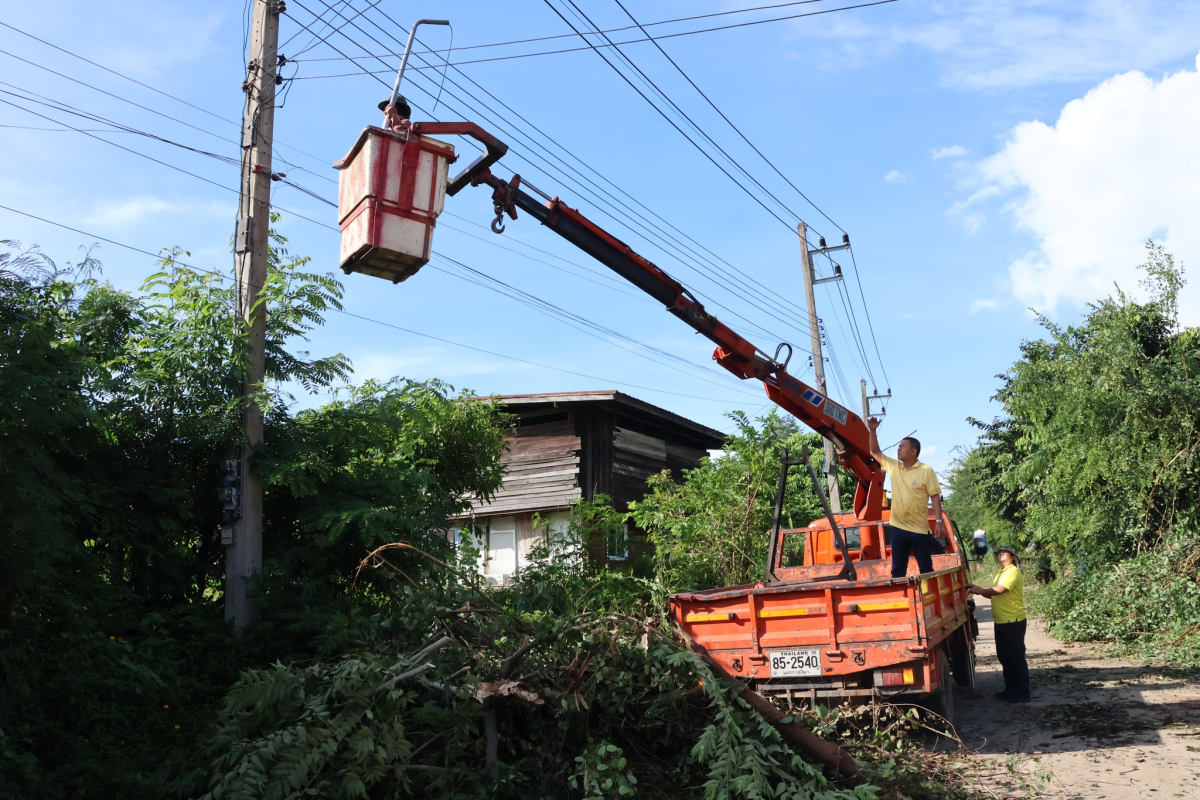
(576, 445)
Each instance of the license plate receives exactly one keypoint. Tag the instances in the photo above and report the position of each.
(795, 663)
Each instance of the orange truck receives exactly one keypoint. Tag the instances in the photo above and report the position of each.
(815, 632)
(835, 625)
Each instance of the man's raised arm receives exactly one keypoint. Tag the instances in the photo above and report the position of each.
(876, 451)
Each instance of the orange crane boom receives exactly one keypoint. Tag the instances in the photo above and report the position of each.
(734, 352)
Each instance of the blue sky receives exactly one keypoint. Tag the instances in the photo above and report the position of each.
(984, 156)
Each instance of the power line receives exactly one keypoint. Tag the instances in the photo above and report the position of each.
(148, 86)
(367, 18)
(779, 172)
(411, 331)
(707, 155)
(80, 112)
(849, 308)
(649, 82)
(683, 114)
(298, 187)
(609, 30)
(147, 157)
(630, 41)
(857, 275)
(345, 35)
(857, 335)
(524, 296)
(736, 129)
(118, 74)
(870, 326)
(583, 324)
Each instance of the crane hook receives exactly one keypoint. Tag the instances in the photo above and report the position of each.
(498, 223)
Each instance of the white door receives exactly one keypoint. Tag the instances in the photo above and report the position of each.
(502, 547)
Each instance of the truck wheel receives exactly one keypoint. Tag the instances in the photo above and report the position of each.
(941, 701)
(962, 657)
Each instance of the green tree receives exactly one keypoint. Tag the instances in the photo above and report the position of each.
(1096, 457)
(115, 409)
(712, 529)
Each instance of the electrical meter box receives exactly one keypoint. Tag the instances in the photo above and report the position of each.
(391, 188)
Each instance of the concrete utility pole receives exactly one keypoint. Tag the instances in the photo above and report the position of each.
(243, 553)
(831, 463)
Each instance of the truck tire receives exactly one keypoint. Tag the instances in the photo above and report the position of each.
(941, 701)
(962, 657)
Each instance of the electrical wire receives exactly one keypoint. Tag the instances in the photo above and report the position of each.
(797, 189)
(512, 291)
(119, 127)
(156, 91)
(634, 41)
(766, 297)
(695, 126)
(309, 11)
(411, 331)
(870, 326)
(72, 128)
(376, 40)
(664, 115)
(609, 30)
(585, 325)
(733, 161)
(738, 131)
(290, 183)
(150, 158)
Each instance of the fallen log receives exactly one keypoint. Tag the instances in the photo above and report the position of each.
(796, 734)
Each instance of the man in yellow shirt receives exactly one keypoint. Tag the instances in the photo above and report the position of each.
(1008, 612)
(913, 485)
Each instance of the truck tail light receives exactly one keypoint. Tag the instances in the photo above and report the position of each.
(897, 676)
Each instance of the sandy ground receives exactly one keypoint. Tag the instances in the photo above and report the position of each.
(1101, 727)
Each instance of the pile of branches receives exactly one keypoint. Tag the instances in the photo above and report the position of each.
(568, 684)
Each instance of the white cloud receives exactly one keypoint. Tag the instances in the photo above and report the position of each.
(421, 363)
(1120, 165)
(972, 221)
(980, 305)
(895, 176)
(136, 209)
(148, 209)
(989, 44)
(949, 152)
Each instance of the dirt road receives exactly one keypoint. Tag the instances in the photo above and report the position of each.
(1101, 728)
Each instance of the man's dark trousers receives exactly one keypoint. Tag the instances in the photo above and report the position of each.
(1010, 649)
(905, 542)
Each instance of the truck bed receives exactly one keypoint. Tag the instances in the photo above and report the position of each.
(814, 634)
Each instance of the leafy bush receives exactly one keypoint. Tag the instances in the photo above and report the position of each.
(115, 410)
(1098, 454)
(712, 529)
(1095, 467)
(1150, 602)
(564, 684)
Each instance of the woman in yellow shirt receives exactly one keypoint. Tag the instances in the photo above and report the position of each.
(1008, 612)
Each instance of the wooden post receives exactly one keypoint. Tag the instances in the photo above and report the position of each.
(243, 555)
(831, 462)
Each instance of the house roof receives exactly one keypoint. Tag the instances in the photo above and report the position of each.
(710, 437)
